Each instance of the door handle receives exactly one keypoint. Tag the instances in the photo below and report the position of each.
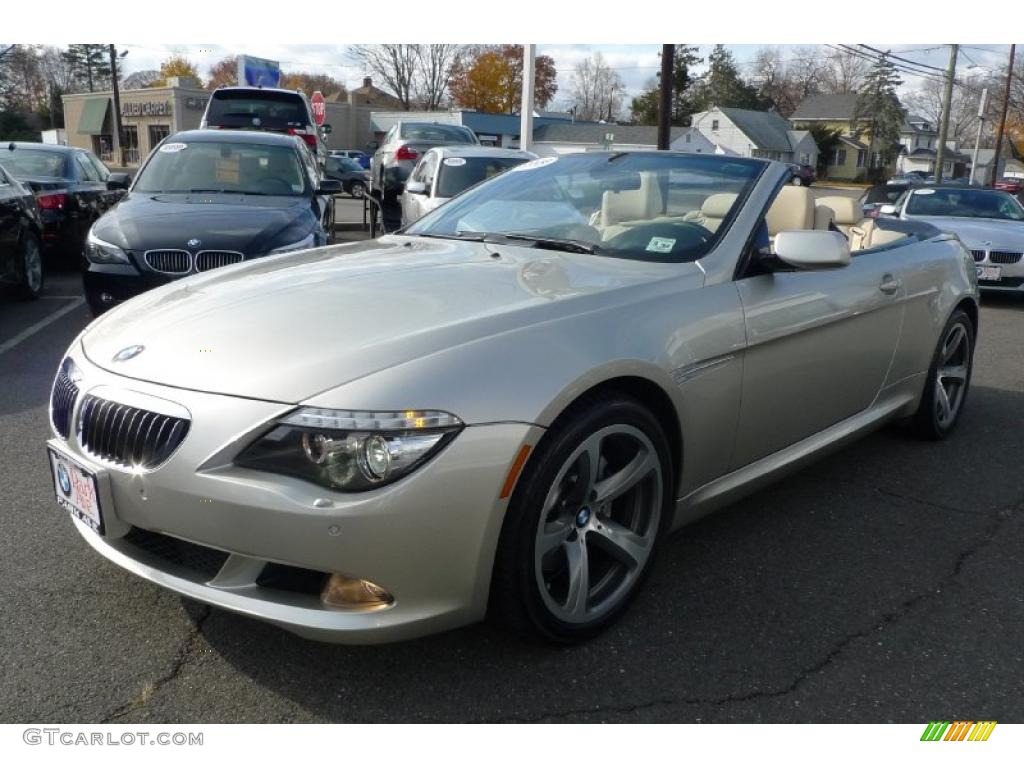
(889, 285)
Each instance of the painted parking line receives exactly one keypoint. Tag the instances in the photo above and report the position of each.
(36, 327)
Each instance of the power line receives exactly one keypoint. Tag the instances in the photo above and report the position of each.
(900, 58)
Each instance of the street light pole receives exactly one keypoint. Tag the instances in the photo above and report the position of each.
(947, 103)
(1002, 119)
(116, 149)
(977, 139)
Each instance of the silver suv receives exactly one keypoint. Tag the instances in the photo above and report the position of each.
(402, 146)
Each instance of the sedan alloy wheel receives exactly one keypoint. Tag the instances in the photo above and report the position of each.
(32, 268)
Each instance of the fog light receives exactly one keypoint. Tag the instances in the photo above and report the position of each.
(343, 591)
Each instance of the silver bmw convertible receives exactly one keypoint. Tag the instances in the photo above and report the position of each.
(505, 408)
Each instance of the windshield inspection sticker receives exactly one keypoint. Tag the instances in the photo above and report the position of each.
(455, 161)
(540, 162)
(661, 245)
(174, 146)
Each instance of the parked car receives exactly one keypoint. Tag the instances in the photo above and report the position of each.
(21, 234)
(444, 172)
(1012, 184)
(989, 222)
(803, 175)
(402, 146)
(354, 179)
(266, 109)
(204, 200)
(506, 408)
(875, 197)
(72, 189)
(912, 178)
(353, 154)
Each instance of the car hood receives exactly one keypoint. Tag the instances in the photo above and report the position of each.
(975, 233)
(250, 224)
(288, 327)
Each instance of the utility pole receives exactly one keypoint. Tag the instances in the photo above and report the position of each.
(526, 112)
(1002, 119)
(977, 139)
(117, 107)
(668, 56)
(947, 103)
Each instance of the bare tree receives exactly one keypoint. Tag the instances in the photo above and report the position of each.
(436, 62)
(393, 64)
(786, 80)
(963, 114)
(844, 72)
(597, 90)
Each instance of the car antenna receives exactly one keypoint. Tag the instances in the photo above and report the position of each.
(616, 156)
(11, 146)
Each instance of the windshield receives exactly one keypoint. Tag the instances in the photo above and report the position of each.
(268, 110)
(216, 166)
(887, 193)
(437, 132)
(966, 203)
(647, 206)
(457, 174)
(33, 162)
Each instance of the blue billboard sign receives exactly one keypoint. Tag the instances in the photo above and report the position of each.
(260, 72)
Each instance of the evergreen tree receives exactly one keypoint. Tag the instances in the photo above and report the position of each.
(644, 108)
(91, 63)
(722, 86)
(879, 109)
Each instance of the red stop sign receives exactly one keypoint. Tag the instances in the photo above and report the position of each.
(319, 107)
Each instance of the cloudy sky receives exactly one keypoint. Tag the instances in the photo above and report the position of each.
(636, 64)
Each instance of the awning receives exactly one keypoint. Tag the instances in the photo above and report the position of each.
(94, 116)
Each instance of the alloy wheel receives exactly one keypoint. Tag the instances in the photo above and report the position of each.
(33, 264)
(599, 523)
(951, 374)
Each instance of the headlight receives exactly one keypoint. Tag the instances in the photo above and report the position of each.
(307, 242)
(101, 252)
(351, 450)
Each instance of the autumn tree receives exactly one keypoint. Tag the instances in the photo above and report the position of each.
(224, 72)
(175, 66)
(644, 108)
(314, 81)
(490, 79)
(597, 90)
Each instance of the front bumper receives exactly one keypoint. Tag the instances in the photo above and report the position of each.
(1011, 275)
(107, 285)
(428, 539)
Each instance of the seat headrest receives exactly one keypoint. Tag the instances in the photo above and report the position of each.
(632, 204)
(847, 210)
(792, 209)
(718, 205)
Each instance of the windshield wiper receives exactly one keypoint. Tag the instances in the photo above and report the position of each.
(475, 237)
(551, 243)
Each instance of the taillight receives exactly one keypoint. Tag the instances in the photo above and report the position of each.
(52, 202)
(405, 153)
(309, 138)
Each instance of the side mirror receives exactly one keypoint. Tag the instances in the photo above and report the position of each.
(330, 187)
(887, 210)
(415, 187)
(119, 181)
(326, 128)
(812, 249)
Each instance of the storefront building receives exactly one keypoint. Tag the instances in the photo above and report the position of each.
(148, 115)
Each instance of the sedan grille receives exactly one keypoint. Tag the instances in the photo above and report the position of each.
(978, 255)
(1004, 257)
(62, 400)
(206, 260)
(170, 262)
(132, 437)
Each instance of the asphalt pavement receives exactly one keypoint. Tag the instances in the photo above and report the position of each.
(881, 584)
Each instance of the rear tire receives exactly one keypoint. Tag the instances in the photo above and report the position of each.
(31, 263)
(582, 527)
(356, 189)
(949, 379)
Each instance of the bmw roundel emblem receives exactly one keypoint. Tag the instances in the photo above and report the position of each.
(128, 353)
(64, 479)
(194, 243)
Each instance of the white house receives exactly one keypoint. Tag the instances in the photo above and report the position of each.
(749, 133)
(566, 138)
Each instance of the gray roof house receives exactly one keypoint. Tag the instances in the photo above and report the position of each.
(749, 133)
(825, 108)
(563, 138)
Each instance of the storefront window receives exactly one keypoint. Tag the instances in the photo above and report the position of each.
(131, 144)
(103, 146)
(158, 133)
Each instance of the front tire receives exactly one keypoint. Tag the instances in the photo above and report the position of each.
(949, 379)
(582, 527)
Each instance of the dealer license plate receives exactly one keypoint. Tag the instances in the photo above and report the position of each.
(77, 490)
(992, 274)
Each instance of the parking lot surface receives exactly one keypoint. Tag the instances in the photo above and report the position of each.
(881, 584)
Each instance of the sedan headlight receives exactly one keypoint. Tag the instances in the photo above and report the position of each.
(307, 242)
(101, 252)
(351, 451)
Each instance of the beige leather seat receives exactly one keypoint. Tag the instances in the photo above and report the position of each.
(861, 231)
(714, 209)
(794, 209)
(629, 207)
